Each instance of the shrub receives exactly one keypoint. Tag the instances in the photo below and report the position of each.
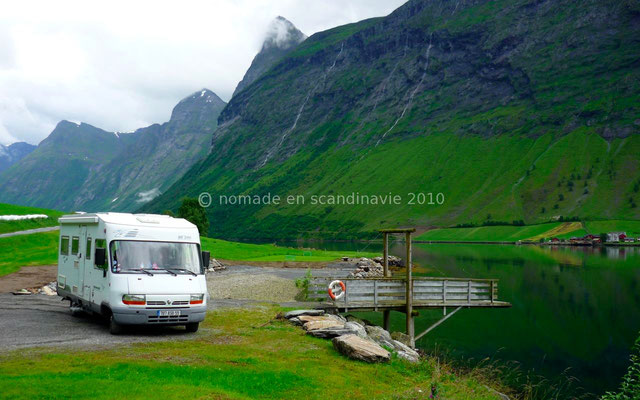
(630, 386)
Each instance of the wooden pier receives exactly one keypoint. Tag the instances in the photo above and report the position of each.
(407, 294)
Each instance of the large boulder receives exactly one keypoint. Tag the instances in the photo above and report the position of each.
(380, 336)
(297, 313)
(324, 324)
(357, 328)
(405, 352)
(331, 332)
(361, 349)
(401, 337)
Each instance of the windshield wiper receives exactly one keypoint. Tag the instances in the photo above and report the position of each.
(184, 270)
(139, 269)
(166, 269)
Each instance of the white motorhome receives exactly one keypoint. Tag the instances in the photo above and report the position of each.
(133, 268)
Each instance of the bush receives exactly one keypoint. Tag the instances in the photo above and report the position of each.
(303, 284)
(630, 387)
(192, 211)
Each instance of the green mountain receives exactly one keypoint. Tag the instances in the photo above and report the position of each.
(80, 167)
(282, 37)
(13, 153)
(512, 109)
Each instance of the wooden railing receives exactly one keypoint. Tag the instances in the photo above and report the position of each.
(389, 293)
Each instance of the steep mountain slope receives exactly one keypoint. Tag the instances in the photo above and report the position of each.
(512, 109)
(80, 167)
(13, 153)
(282, 37)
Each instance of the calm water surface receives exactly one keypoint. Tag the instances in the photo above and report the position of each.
(575, 309)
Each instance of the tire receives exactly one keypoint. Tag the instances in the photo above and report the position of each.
(192, 327)
(114, 327)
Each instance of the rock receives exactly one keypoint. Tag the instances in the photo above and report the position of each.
(366, 268)
(331, 332)
(297, 313)
(357, 329)
(48, 291)
(337, 317)
(313, 325)
(401, 337)
(351, 318)
(296, 321)
(361, 349)
(309, 318)
(380, 336)
(405, 352)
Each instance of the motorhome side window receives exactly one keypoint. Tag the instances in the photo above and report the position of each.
(64, 245)
(88, 249)
(101, 244)
(75, 244)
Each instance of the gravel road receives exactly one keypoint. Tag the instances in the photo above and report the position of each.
(30, 231)
(40, 320)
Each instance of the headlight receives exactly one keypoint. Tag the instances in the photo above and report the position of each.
(134, 299)
(197, 298)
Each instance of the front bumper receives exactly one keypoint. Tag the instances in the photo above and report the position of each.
(149, 316)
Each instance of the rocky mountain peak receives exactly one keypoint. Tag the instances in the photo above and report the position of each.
(13, 153)
(282, 34)
(201, 105)
(281, 37)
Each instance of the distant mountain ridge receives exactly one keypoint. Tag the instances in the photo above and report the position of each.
(282, 37)
(13, 153)
(81, 167)
(512, 109)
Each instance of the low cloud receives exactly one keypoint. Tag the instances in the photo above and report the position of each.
(124, 65)
(145, 197)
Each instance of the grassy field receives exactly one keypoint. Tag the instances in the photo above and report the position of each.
(28, 250)
(41, 249)
(236, 355)
(596, 227)
(562, 230)
(490, 233)
(21, 225)
(267, 252)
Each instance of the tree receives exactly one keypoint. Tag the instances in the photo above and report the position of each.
(603, 237)
(192, 211)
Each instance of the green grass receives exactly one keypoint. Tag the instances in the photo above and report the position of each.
(28, 250)
(21, 225)
(631, 227)
(41, 249)
(561, 230)
(488, 233)
(236, 355)
(267, 252)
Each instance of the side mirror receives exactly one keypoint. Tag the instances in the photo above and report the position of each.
(206, 258)
(100, 257)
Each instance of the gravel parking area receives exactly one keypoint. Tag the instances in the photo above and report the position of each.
(39, 320)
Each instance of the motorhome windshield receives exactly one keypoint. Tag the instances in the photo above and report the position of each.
(154, 257)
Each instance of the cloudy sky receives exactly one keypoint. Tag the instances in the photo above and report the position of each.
(121, 65)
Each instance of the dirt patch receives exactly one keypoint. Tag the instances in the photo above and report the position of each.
(28, 277)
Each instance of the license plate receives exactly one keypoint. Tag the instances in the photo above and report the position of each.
(168, 313)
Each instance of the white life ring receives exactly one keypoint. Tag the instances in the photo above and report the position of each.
(334, 286)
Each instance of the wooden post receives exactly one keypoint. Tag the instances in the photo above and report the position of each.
(385, 255)
(409, 291)
(386, 316)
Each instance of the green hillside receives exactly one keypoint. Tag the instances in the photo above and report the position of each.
(520, 110)
(21, 225)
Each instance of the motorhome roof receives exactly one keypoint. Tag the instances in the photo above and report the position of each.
(155, 220)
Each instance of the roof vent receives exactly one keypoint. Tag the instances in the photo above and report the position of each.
(147, 219)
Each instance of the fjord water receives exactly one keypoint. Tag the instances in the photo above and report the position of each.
(576, 310)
